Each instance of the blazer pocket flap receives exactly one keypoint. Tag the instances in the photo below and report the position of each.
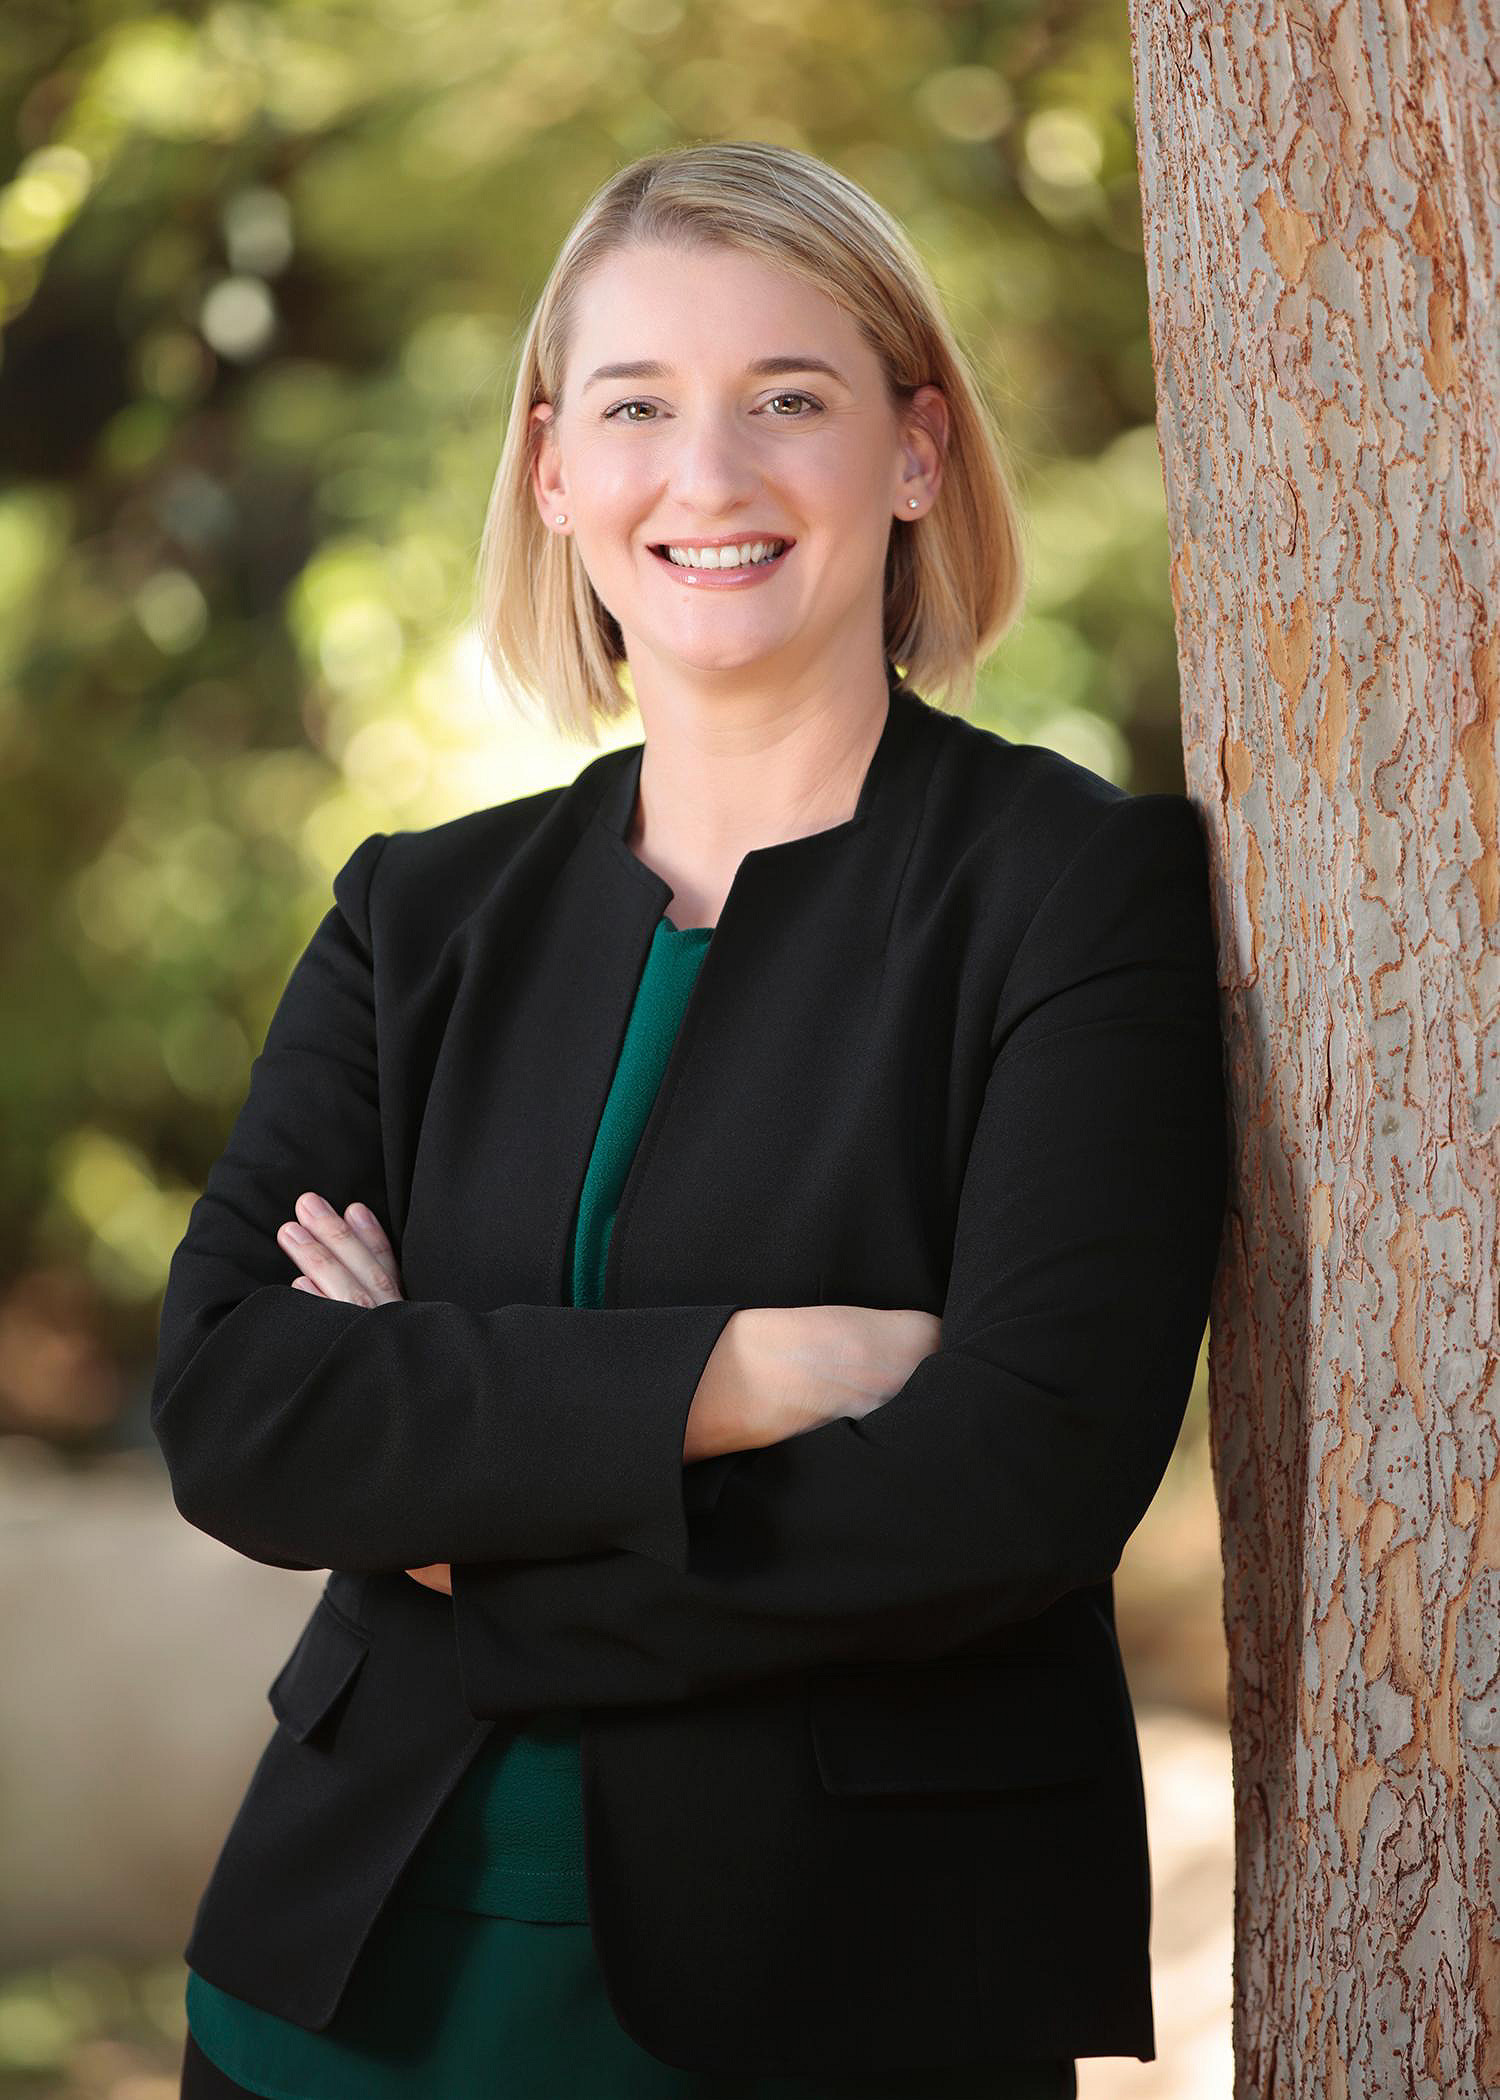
(317, 1673)
(978, 1726)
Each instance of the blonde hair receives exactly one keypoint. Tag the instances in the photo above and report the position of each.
(954, 578)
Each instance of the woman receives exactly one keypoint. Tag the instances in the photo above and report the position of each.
(803, 1135)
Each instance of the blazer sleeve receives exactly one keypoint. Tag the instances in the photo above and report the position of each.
(307, 1433)
(1015, 1462)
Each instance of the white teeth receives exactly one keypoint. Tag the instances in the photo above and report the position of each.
(725, 557)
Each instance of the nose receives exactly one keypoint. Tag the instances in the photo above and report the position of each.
(713, 471)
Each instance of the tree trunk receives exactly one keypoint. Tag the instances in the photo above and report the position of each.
(1321, 190)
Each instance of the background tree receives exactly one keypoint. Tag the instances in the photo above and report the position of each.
(1322, 204)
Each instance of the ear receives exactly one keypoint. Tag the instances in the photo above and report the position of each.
(547, 479)
(924, 443)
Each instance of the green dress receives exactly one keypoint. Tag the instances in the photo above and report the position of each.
(478, 1980)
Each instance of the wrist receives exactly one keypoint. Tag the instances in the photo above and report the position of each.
(730, 1406)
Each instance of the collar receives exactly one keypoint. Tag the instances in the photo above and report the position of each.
(895, 761)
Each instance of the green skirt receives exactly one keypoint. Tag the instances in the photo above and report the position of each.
(453, 2003)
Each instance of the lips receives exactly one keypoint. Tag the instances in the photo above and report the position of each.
(741, 573)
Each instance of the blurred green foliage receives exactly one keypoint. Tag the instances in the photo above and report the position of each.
(90, 2027)
(264, 268)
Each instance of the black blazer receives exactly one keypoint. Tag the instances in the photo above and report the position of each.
(861, 1779)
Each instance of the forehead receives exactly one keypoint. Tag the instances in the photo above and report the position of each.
(708, 310)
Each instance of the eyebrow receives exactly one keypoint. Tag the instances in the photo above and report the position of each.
(763, 367)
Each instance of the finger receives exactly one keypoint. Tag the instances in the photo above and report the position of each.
(370, 1235)
(347, 1247)
(322, 1268)
(370, 1230)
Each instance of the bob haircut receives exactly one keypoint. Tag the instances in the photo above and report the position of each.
(953, 580)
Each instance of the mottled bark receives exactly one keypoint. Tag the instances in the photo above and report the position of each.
(1321, 188)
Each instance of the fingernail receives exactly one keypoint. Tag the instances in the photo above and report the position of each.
(296, 1232)
(316, 1205)
(358, 1215)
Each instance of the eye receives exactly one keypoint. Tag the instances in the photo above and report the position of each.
(617, 413)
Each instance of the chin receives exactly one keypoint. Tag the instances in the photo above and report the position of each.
(731, 666)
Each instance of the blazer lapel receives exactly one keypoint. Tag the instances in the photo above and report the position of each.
(527, 1055)
(754, 1094)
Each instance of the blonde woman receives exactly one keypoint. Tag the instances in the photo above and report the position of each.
(712, 1261)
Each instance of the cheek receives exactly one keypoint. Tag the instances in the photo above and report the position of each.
(842, 487)
(607, 479)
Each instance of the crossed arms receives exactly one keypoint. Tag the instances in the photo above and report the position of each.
(538, 1449)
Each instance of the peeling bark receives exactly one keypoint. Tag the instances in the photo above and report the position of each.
(1321, 192)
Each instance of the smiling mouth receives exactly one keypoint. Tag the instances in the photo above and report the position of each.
(691, 560)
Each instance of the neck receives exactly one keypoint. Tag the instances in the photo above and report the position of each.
(712, 790)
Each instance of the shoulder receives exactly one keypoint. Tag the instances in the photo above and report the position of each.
(981, 771)
(1030, 814)
(463, 856)
(438, 875)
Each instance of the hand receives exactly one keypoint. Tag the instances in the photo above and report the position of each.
(831, 1360)
(349, 1259)
(346, 1258)
(778, 1370)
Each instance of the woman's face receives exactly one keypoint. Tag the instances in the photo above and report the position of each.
(704, 446)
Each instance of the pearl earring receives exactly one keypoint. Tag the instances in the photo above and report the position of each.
(561, 518)
(911, 502)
